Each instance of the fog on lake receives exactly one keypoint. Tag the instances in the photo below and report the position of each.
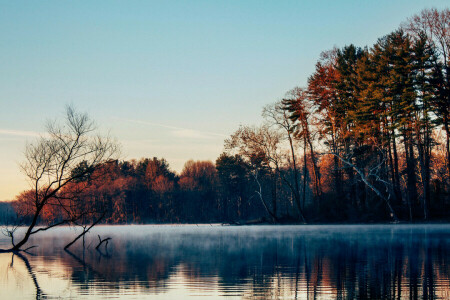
(234, 262)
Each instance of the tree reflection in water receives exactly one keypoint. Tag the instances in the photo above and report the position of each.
(278, 262)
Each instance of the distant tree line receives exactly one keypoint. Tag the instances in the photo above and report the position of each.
(368, 139)
(7, 213)
(147, 191)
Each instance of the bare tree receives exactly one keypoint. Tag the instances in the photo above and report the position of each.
(260, 147)
(278, 116)
(70, 151)
(434, 24)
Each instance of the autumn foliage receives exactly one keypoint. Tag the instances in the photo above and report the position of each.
(367, 139)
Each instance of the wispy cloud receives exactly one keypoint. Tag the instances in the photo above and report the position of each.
(180, 131)
(11, 132)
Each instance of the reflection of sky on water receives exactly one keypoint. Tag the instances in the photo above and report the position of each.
(250, 262)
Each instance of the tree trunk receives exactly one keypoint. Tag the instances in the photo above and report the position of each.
(447, 131)
(305, 174)
(274, 194)
(396, 169)
(297, 188)
(393, 161)
(259, 192)
(316, 171)
(27, 235)
(410, 171)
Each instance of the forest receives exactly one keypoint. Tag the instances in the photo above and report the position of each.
(366, 140)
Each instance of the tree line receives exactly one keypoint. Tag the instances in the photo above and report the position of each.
(366, 140)
(368, 137)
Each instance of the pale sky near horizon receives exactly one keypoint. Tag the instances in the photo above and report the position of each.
(170, 79)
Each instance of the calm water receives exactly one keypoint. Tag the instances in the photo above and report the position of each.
(248, 262)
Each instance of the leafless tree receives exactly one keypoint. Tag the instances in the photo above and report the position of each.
(278, 116)
(435, 25)
(260, 147)
(68, 152)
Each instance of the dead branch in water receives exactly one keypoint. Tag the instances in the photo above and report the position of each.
(102, 241)
(85, 231)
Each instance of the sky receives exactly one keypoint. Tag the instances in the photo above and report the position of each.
(168, 79)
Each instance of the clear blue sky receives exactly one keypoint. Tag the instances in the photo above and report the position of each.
(168, 78)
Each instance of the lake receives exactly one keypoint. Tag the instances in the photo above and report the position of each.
(234, 262)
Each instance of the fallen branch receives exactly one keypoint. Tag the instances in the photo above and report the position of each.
(85, 231)
(102, 241)
(373, 188)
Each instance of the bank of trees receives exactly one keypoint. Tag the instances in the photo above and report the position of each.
(148, 191)
(367, 139)
(371, 128)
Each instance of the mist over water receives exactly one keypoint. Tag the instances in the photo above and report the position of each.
(242, 262)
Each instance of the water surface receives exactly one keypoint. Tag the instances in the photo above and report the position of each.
(245, 262)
